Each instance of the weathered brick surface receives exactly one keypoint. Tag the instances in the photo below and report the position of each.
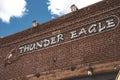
(99, 48)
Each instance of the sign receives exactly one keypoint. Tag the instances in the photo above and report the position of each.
(79, 32)
(11, 57)
(118, 76)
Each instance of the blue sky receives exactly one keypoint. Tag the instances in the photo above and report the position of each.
(40, 10)
(37, 10)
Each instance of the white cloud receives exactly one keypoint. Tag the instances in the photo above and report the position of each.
(12, 8)
(60, 7)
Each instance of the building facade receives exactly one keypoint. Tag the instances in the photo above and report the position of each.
(82, 45)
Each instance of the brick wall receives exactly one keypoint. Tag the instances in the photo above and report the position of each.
(95, 49)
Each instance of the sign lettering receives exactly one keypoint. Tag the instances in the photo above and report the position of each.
(79, 32)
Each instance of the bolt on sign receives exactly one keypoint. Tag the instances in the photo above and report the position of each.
(79, 32)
